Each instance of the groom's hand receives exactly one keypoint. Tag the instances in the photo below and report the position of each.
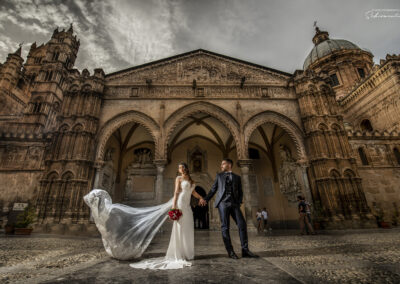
(202, 202)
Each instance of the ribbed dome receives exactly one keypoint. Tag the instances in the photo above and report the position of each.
(327, 47)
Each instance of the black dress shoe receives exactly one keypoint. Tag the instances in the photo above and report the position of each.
(247, 253)
(233, 255)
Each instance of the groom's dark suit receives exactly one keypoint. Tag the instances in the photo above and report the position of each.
(228, 187)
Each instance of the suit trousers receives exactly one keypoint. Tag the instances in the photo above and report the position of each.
(227, 209)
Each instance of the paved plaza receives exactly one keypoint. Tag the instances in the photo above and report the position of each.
(351, 256)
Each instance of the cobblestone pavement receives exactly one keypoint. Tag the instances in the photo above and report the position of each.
(351, 256)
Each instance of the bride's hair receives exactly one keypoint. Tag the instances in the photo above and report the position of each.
(186, 171)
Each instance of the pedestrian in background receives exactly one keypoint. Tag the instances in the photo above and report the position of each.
(259, 220)
(303, 220)
(308, 212)
(265, 218)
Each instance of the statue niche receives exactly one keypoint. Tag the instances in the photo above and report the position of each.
(142, 158)
(288, 183)
(141, 176)
(197, 160)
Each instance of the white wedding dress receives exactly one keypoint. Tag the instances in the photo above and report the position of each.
(127, 231)
(181, 243)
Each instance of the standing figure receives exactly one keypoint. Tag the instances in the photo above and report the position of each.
(127, 231)
(228, 187)
(265, 218)
(303, 220)
(259, 220)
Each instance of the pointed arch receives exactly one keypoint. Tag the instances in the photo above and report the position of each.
(118, 121)
(215, 111)
(292, 129)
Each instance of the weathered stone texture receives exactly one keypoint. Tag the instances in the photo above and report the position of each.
(63, 132)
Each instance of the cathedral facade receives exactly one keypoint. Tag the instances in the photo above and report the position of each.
(330, 132)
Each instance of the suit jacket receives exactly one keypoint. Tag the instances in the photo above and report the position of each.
(219, 188)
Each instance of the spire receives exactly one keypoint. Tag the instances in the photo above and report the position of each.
(319, 36)
(70, 30)
(18, 51)
(33, 46)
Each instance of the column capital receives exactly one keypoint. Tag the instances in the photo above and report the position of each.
(302, 162)
(99, 164)
(245, 163)
(160, 162)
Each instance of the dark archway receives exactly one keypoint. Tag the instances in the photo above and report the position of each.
(200, 214)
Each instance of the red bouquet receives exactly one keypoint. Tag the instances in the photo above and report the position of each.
(174, 214)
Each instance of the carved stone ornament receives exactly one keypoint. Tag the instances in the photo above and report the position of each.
(288, 183)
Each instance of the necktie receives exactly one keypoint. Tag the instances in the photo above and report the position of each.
(228, 177)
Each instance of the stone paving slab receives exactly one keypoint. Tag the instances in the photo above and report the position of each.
(351, 256)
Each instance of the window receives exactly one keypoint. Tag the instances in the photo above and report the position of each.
(20, 83)
(334, 80)
(49, 75)
(361, 72)
(363, 157)
(397, 155)
(36, 107)
(254, 154)
(366, 125)
(55, 55)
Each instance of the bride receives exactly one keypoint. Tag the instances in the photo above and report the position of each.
(127, 231)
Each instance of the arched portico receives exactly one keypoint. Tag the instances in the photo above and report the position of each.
(130, 122)
(121, 119)
(292, 129)
(202, 107)
(276, 166)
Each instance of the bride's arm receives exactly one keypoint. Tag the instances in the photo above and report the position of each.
(195, 194)
(176, 192)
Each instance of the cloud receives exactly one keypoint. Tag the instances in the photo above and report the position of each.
(113, 34)
(118, 34)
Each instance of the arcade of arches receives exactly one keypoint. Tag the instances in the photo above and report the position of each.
(202, 141)
(65, 131)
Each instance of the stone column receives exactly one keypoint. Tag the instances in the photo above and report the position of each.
(304, 178)
(160, 164)
(98, 176)
(249, 196)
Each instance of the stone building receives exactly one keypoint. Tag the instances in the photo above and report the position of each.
(329, 131)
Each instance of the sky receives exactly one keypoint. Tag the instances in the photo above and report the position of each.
(118, 34)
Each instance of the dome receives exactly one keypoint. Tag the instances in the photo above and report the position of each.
(326, 47)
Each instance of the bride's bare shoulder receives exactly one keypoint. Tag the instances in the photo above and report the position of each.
(178, 178)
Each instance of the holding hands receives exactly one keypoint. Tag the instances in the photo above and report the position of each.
(202, 202)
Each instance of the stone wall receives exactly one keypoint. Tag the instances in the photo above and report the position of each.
(382, 190)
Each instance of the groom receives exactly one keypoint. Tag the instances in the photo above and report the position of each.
(228, 187)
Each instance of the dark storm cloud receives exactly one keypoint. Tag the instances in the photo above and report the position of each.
(121, 33)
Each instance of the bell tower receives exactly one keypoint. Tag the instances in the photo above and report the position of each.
(336, 186)
(49, 66)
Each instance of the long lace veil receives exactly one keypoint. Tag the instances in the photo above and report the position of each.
(126, 231)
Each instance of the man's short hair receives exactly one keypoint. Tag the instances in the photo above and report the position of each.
(228, 160)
